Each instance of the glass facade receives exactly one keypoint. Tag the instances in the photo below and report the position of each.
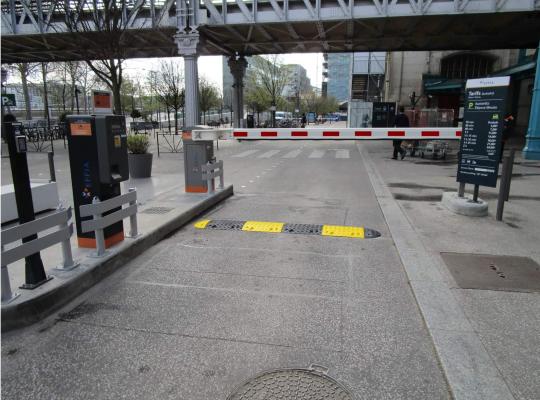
(339, 76)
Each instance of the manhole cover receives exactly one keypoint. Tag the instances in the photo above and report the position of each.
(291, 384)
(488, 272)
(157, 210)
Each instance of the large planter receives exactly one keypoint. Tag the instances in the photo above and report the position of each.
(140, 165)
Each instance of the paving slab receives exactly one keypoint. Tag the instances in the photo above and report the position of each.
(208, 309)
(504, 324)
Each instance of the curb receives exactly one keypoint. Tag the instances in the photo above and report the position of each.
(35, 309)
(469, 370)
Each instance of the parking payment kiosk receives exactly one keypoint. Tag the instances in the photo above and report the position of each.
(99, 162)
(196, 153)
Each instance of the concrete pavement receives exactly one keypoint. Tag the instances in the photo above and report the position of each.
(490, 334)
(204, 310)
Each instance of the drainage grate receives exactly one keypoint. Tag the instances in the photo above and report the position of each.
(489, 272)
(303, 229)
(157, 210)
(291, 384)
(229, 225)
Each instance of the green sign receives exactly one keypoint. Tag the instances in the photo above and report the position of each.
(8, 99)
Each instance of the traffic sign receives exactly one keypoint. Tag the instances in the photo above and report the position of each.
(8, 100)
(483, 119)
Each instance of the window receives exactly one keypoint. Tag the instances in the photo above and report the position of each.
(466, 66)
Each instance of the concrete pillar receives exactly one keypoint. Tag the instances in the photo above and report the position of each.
(532, 146)
(187, 48)
(238, 70)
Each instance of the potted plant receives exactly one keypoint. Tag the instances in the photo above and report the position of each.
(140, 161)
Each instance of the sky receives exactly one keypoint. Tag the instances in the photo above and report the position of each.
(211, 67)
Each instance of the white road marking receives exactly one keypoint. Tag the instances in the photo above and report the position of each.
(245, 153)
(342, 153)
(292, 154)
(317, 154)
(268, 154)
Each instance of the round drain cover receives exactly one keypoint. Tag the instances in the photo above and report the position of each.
(291, 384)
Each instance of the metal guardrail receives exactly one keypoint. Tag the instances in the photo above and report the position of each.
(58, 219)
(99, 221)
(210, 171)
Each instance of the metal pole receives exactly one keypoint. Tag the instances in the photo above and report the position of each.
(67, 256)
(503, 188)
(52, 172)
(511, 170)
(7, 294)
(133, 232)
(157, 141)
(34, 270)
(475, 193)
(99, 233)
(221, 177)
(461, 189)
(208, 172)
(532, 146)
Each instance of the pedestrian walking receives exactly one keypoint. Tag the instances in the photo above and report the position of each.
(401, 121)
(304, 120)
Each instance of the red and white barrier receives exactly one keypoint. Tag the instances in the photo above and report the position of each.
(347, 133)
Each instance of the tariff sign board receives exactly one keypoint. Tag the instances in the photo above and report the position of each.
(483, 120)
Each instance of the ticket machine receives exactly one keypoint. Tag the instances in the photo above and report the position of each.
(196, 154)
(99, 162)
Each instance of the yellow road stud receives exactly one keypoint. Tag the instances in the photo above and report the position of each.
(261, 226)
(343, 231)
(201, 224)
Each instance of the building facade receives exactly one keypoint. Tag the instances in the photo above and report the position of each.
(337, 75)
(436, 79)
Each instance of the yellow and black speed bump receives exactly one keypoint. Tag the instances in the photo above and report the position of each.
(357, 232)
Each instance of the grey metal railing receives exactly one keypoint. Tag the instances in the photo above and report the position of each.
(210, 171)
(61, 219)
(99, 221)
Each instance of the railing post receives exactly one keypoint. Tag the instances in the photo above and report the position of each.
(99, 233)
(133, 232)
(67, 256)
(209, 179)
(7, 295)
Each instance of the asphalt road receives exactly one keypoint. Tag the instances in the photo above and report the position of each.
(204, 310)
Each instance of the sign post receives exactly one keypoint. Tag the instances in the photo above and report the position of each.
(34, 271)
(483, 120)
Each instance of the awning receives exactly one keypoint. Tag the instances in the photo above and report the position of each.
(524, 68)
(443, 85)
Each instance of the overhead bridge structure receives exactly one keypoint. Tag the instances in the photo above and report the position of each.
(35, 30)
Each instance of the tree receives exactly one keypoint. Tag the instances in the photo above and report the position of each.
(104, 24)
(257, 99)
(44, 72)
(271, 76)
(25, 71)
(319, 104)
(168, 84)
(209, 97)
